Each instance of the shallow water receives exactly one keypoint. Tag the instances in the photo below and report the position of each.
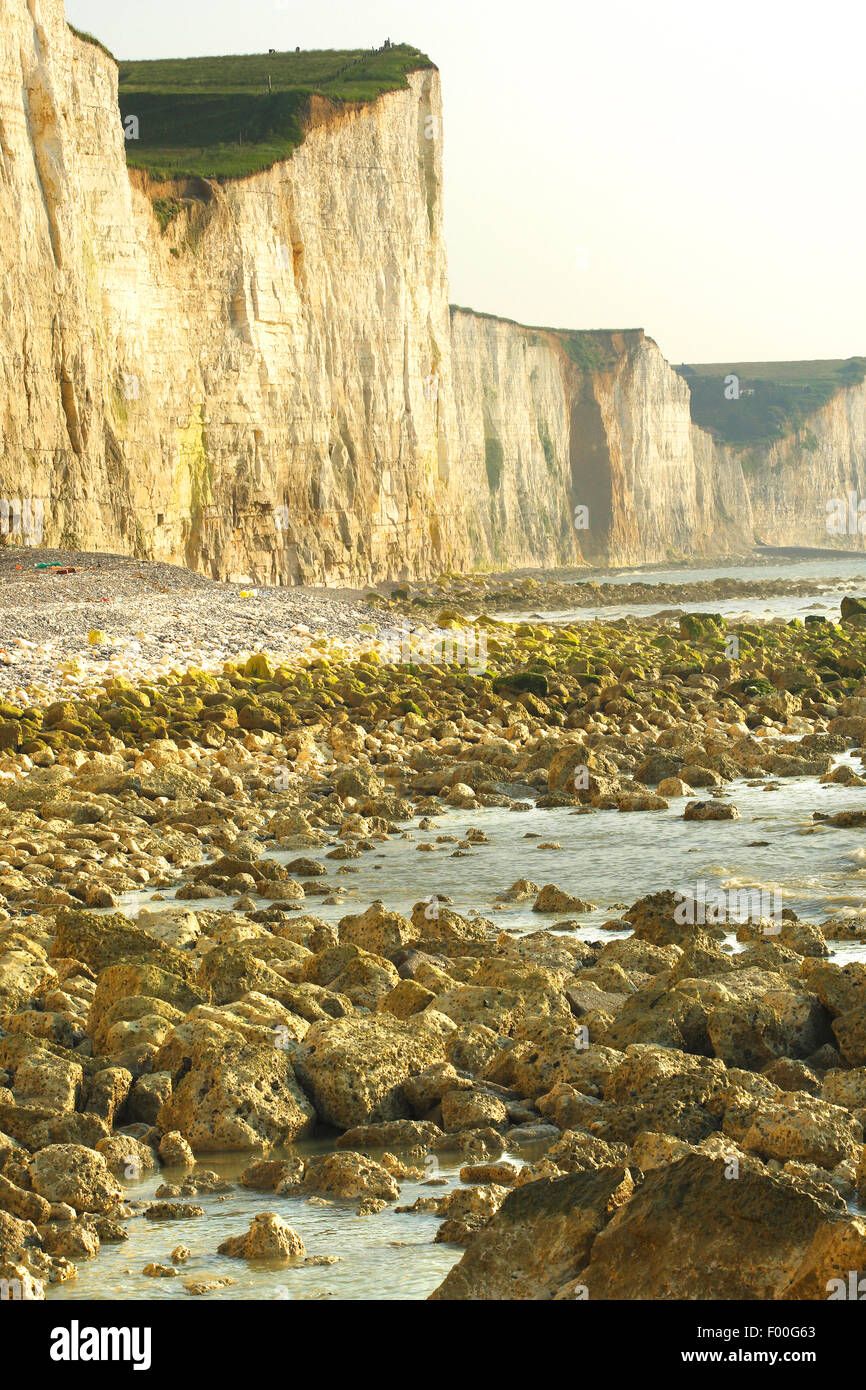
(849, 566)
(832, 579)
(607, 857)
(386, 1256)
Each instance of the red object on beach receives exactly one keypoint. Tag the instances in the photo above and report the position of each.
(70, 569)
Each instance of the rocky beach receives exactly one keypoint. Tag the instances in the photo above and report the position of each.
(432, 740)
(215, 1030)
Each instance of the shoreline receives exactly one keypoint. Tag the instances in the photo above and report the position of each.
(636, 1060)
(141, 619)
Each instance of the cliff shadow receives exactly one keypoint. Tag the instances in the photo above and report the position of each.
(591, 475)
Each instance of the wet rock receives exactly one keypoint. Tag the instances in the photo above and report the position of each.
(416, 1135)
(20, 1280)
(500, 1174)
(197, 1287)
(274, 1174)
(575, 1151)
(27, 1206)
(70, 1240)
(243, 1096)
(347, 1175)
(700, 1231)
(172, 1211)
(175, 1152)
(553, 899)
(127, 1157)
(658, 920)
(710, 810)
(472, 1109)
(269, 1238)
(36, 1126)
(354, 1069)
(427, 1088)
(540, 1238)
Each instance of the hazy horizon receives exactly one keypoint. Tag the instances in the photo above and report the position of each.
(690, 174)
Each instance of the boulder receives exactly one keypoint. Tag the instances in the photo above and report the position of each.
(804, 1128)
(354, 1069)
(699, 1230)
(463, 1109)
(710, 810)
(241, 1096)
(539, 1239)
(269, 1238)
(556, 900)
(348, 1175)
(101, 941)
(76, 1175)
(377, 930)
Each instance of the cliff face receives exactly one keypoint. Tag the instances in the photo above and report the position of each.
(249, 391)
(272, 387)
(798, 486)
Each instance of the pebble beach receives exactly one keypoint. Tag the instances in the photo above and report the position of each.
(330, 974)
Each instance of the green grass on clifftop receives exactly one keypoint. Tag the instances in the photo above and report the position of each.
(776, 398)
(215, 118)
(88, 38)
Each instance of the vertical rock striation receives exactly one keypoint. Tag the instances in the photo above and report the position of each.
(271, 385)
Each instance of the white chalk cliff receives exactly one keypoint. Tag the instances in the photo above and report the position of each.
(274, 387)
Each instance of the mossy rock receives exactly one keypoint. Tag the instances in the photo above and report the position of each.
(699, 626)
(528, 682)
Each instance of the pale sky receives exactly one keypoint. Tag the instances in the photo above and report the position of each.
(692, 169)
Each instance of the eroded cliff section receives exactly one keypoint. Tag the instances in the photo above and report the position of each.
(269, 384)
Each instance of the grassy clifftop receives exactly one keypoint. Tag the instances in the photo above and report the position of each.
(88, 38)
(772, 399)
(219, 117)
